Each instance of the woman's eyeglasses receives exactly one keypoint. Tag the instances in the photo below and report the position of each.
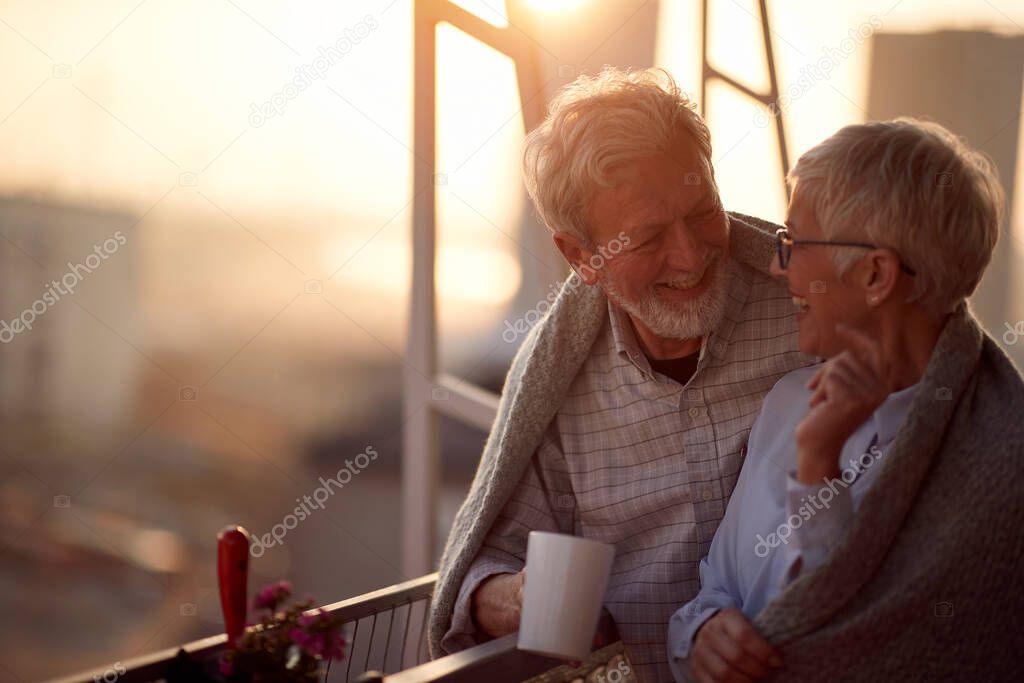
(784, 243)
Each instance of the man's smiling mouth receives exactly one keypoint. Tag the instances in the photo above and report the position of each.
(692, 281)
(683, 285)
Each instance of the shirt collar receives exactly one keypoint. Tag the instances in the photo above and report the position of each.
(624, 340)
(626, 345)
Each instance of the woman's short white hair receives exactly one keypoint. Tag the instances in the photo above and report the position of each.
(594, 125)
(914, 187)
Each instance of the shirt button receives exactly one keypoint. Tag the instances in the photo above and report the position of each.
(694, 412)
(707, 495)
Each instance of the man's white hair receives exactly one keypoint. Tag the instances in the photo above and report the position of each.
(596, 124)
(914, 187)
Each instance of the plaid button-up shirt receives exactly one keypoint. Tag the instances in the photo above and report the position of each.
(637, 460)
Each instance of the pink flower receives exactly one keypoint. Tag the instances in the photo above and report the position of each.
(298, 636)
(272, 595)
(316, 645)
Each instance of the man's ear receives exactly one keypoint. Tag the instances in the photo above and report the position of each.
(576, 254)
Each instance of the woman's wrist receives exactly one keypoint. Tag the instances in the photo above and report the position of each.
(817, 463)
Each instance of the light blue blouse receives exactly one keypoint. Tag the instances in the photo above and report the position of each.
(774, 526)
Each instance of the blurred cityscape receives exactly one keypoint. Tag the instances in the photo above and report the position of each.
(147, 410)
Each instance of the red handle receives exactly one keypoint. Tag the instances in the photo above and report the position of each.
(232, 579)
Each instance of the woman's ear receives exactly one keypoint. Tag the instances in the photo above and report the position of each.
(576, 254)
(881, 275)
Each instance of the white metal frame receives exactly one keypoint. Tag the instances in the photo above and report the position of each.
(462, 401)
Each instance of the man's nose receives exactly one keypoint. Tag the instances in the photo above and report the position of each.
(685, 250)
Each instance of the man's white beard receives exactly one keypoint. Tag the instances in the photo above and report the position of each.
(691, 319)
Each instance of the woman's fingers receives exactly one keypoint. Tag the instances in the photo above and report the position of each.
(830, 387)
(849, 375)
(729, 648)
(752, 642)
(733, 652)
(820, 394)
(845, 377)
(813, 382)
(717, 669)
(870, 388)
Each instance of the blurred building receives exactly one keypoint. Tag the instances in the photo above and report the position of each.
(61, 368)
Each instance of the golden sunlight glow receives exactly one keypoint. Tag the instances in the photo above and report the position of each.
(554, 5)
(492, 11)
(465, 273)
(332, 167)
(479, 129)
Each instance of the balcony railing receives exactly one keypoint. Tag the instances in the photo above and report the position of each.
(388, 636)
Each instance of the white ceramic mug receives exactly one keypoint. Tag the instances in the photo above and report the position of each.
(566, 577)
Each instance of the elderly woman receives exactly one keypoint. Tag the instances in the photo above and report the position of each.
(875, 531)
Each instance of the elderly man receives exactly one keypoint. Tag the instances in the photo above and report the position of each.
(626, 411)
